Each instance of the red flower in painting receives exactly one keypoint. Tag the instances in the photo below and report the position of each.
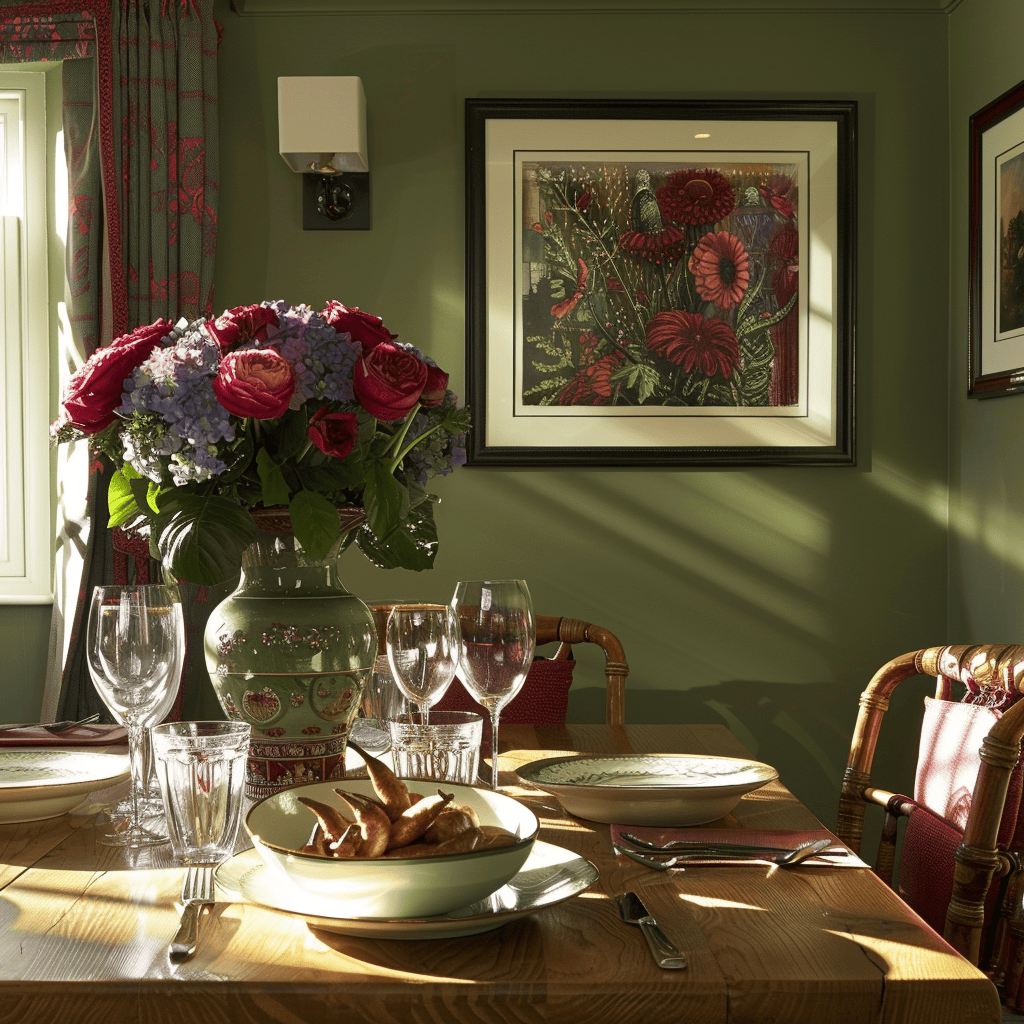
(689, 340)
(654, 246)
(696, 197)
(561, 308)
(592, 384)
(721, 269)
(777, 193)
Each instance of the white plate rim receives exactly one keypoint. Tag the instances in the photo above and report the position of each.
(529, 772)
(116, 768)
(442, 925)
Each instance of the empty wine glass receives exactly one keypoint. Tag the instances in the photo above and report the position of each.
(498, 636)
(136, 647)
(423, 651)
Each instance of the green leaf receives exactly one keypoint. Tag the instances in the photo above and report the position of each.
(201, 537)
(275, 487)
(332, 476)
(315, 522)
(386, 501)
(121, 499)
(287, 438)
(412, 545)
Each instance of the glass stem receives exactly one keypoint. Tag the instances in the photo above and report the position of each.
(495, 715)
(137, 757)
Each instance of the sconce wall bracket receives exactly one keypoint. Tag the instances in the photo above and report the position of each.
(336, 202)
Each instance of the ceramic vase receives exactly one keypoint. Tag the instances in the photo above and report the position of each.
(290, 651)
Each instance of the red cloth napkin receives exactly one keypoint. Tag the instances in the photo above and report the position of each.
(95, 735)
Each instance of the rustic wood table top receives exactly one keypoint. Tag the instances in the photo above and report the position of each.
(85, 931)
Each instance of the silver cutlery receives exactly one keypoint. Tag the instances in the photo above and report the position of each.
(633, 911)
(678, 862)
(196, 892)
(685, 845)
(53, 727)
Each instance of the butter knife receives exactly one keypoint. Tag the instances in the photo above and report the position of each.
(633, 911)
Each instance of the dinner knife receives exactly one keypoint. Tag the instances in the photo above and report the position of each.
(633, 911)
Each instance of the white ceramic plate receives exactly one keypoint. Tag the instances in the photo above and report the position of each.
(43, 783)
(550, 876)
(650, 789)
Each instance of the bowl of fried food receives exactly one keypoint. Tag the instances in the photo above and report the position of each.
(385, 847)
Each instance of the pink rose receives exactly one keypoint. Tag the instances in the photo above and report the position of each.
(367, 329)
(95, 391)
(240, 325)
(435, 388)
(334, 433)
(388, 381)
(255, 382)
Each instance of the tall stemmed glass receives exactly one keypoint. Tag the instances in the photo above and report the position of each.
(136, 645)
(498, 636)
(423, 651)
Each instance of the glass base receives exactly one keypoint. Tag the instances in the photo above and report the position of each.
(131, 836)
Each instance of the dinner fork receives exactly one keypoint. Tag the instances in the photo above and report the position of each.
(783, 860)
(52, 727)
(695, 846)
(196, 892)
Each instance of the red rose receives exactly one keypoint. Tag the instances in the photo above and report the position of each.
(255, 382)
(334, 433)
(367, 329)
(94, 391)
(388, 381)
(242, 324)
(435, 388)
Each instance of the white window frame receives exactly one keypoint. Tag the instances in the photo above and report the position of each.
(26, 540)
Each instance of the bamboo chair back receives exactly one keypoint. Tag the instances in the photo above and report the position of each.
(994, 673)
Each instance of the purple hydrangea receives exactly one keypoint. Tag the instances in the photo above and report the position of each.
(321, 358)
(174, 418)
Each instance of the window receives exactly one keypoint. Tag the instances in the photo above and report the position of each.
(25, 460)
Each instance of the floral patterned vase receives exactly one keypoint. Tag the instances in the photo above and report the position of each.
(290, 651)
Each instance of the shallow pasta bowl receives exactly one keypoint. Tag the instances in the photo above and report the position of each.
(648, 789)
(279, 825)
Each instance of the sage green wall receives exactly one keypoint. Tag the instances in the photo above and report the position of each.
(762, 599)
(986, 570)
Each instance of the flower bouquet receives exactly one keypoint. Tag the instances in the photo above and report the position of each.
(268, 405)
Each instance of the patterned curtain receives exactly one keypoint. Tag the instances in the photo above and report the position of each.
(143, 176)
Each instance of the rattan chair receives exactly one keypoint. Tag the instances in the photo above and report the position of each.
(984, 850)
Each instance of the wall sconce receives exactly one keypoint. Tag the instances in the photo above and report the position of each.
(322, 136)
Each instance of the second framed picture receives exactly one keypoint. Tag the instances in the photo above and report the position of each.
(661, 283)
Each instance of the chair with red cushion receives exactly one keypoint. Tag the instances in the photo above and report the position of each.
(962, 850)
(544, 697)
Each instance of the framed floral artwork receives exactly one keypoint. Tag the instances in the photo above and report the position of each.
(660, 283)
(996, 247)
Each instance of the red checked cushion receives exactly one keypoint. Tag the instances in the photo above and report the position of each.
(543, 699)
(948, 763)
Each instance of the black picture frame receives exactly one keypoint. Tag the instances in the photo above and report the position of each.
(996, 264)
(515, 148)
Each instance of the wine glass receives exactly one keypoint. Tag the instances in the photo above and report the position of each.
(498, 636)
(136, 647)
(423, 651)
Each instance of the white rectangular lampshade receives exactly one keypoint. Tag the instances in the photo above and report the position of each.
(322, 120)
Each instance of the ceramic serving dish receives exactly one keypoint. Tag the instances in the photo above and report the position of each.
(651, 789)
(279, 825)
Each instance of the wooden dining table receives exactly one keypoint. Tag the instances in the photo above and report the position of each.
(85, 934)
